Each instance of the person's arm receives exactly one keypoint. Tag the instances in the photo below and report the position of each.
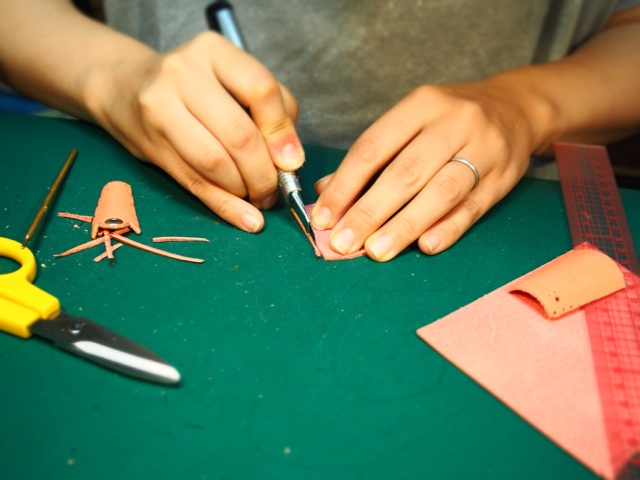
(594, 93)
(182, 110)
(591, 96)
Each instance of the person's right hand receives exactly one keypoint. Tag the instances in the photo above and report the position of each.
(212, 117)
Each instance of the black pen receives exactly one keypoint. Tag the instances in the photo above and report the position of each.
(220, 18)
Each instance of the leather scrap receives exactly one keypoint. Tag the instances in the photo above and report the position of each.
(115, 216)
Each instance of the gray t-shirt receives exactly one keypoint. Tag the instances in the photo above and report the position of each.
(349, 61)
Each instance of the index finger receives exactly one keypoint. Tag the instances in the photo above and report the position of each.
(270, 104)
(373, 151)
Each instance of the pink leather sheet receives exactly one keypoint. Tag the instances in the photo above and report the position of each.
(321, 245)
(541, 368)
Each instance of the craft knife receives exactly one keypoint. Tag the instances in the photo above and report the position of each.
(221, 19)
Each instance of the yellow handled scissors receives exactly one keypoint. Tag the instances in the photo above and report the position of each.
(26, 309)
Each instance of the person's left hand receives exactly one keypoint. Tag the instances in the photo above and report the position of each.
(420, 193)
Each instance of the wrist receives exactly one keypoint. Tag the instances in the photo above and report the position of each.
(105, 83)
(541, 115)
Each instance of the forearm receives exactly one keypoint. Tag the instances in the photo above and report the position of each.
(53, 53)
(591, 96)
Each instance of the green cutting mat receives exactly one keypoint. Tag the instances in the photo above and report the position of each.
(292, 367)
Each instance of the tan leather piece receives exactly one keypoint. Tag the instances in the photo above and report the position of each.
(179, 239)
(572, 280)
(115, 209)
(157, 251)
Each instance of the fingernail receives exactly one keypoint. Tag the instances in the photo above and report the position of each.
(321, 218)
(269, 201)
(292, 157)
(381, 246)
(250, 223)
(324, 179)
(343, 240)
(433, 243)
(321, 182)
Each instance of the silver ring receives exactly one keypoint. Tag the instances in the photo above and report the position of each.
(466, 162)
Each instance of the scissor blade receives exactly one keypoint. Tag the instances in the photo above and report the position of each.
(94, 342)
